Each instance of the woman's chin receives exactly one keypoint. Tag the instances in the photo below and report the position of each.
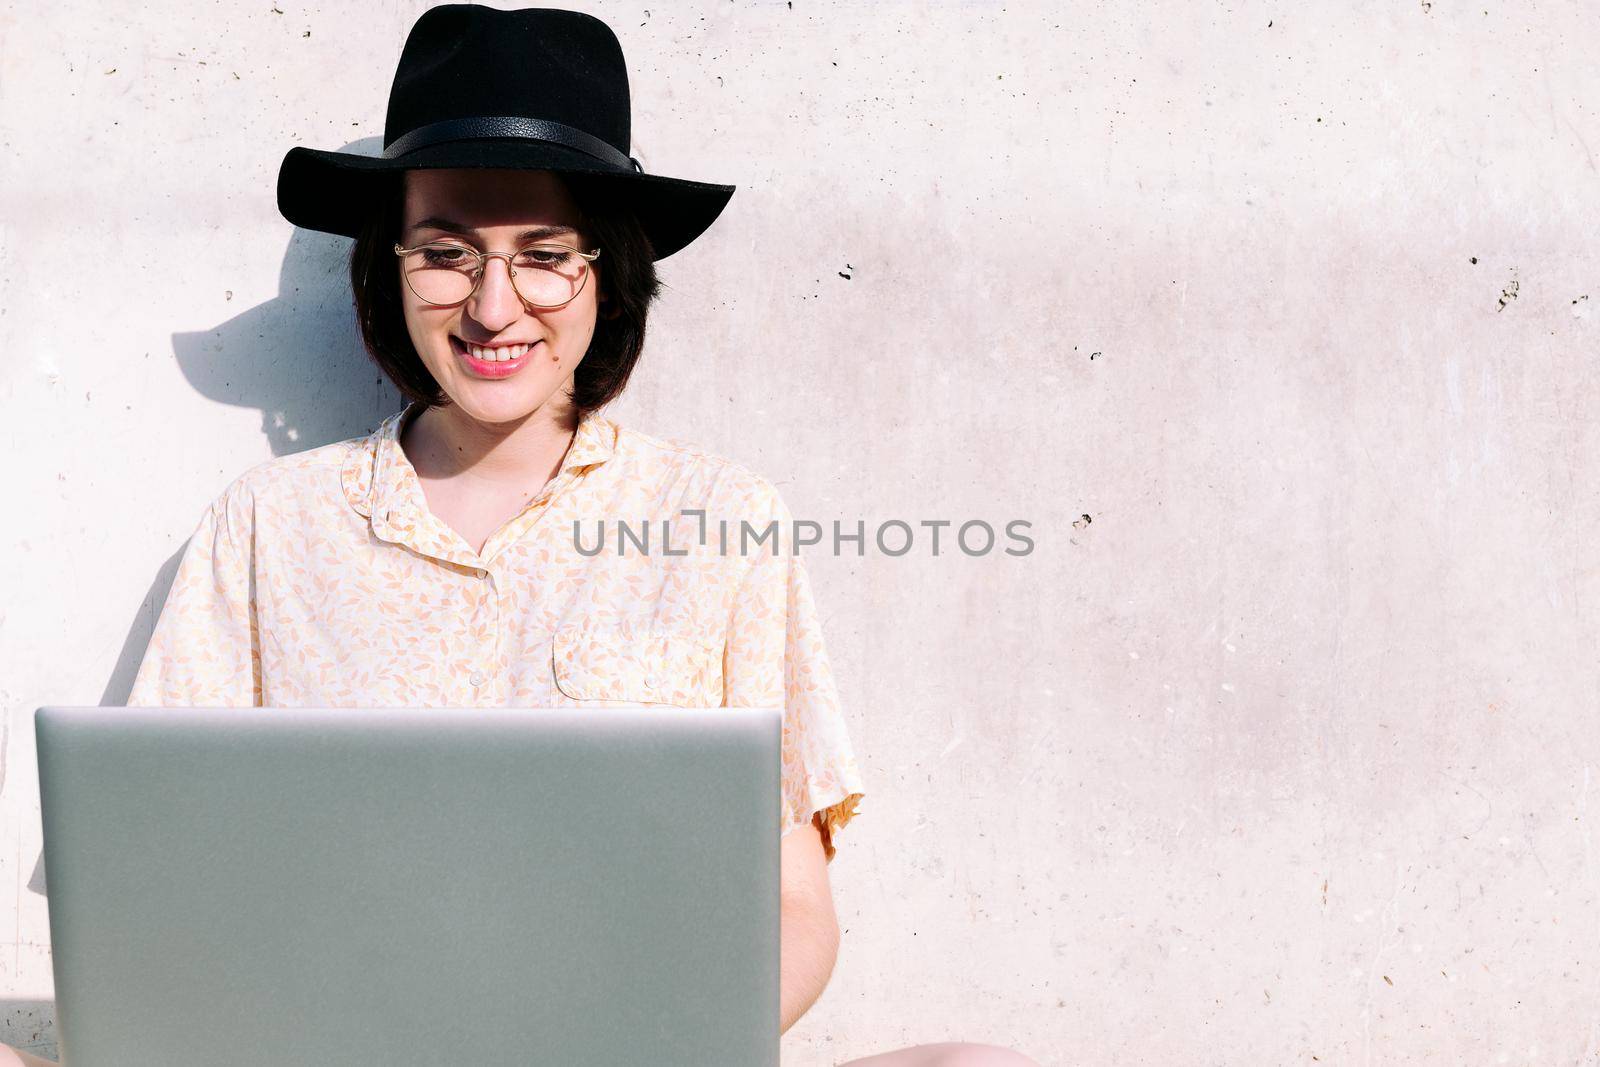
(498, 402)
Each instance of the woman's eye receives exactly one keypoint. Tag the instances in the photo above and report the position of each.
(544, 257)
(446, 257)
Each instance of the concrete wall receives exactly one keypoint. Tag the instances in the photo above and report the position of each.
(1277, 321)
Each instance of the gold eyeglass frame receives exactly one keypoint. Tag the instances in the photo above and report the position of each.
(480, 269)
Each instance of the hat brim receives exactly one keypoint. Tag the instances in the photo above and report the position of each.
(333, 192)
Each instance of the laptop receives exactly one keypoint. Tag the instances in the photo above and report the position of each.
(384, 887)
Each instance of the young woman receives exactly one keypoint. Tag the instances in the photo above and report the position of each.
(503, 269)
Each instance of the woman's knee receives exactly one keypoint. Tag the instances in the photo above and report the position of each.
(963, 1054)
(10, 1057)
(968, 1054)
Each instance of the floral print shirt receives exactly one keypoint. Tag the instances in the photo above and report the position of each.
(322, 579)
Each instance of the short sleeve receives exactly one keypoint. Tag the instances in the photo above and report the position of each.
(205, 649)
(775, 656)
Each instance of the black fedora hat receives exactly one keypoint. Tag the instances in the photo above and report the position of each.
(528, 89)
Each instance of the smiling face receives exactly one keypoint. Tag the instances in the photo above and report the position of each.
(497, 211)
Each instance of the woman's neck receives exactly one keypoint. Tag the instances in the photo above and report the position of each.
(444, 444)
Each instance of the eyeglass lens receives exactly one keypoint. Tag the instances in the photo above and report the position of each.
(544, 275)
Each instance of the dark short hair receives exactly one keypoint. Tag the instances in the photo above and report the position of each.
(626, 273)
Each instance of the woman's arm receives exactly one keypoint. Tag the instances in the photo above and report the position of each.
(775, 656)
(809, 937)
(205, 649)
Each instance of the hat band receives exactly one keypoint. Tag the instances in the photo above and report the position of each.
(513, 126)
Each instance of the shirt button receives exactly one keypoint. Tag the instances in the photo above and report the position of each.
(650, 682)
(476, 678)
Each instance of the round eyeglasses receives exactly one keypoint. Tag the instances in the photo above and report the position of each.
(544, 275)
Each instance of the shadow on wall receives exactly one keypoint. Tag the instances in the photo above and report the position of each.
(298, 357)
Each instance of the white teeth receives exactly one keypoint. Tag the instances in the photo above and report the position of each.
(503, 354)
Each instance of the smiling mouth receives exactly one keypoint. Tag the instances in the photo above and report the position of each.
(506, 359)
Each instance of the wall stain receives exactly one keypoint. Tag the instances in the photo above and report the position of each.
(1509, 293)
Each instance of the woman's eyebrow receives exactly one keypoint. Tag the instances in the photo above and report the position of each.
(434, 222)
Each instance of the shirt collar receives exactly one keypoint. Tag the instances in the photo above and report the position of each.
(377, 475)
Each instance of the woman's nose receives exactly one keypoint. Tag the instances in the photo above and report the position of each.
(495, 302)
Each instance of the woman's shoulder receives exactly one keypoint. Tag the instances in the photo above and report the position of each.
(680, 450)
(303, 479)
(682, 461)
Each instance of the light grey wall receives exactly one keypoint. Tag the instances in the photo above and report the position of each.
(1277, 322)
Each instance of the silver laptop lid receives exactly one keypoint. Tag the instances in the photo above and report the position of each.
(380, 886)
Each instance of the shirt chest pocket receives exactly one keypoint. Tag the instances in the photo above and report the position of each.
(610, 664)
